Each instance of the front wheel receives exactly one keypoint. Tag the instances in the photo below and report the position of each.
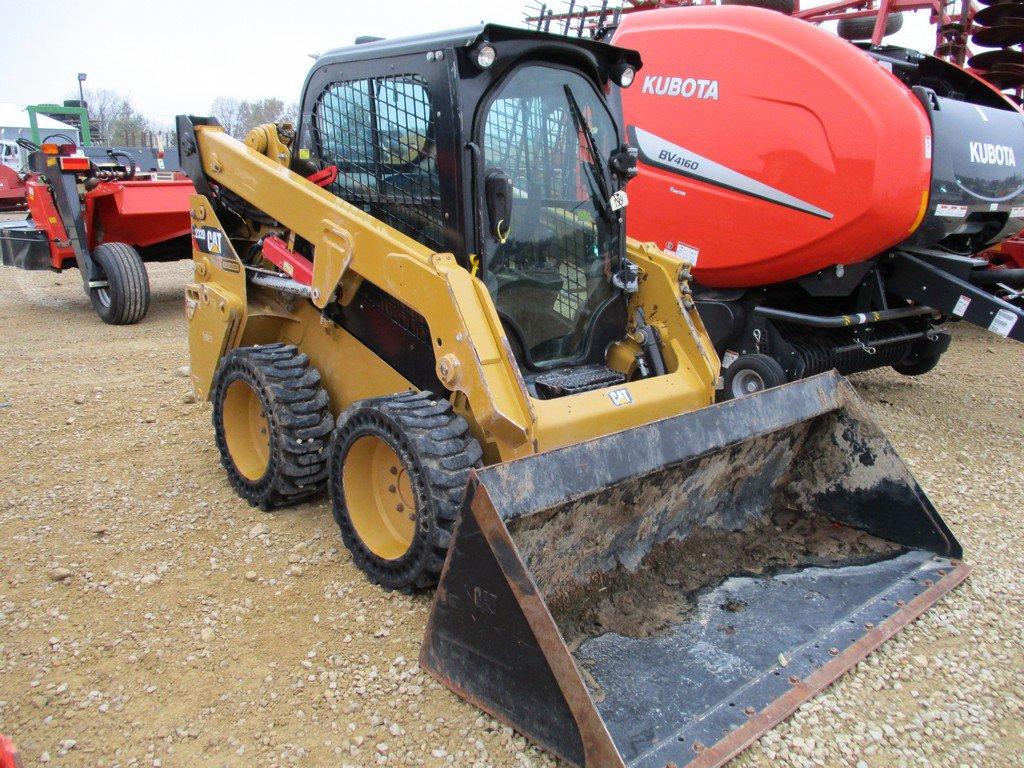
(125, 299)
(398, 472)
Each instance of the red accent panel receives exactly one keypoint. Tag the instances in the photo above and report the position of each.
(296, 266)
(140, 213)
(325, 177)
(74, 164)
(45, 217)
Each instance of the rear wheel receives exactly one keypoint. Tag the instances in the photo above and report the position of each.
(398, 472)
(864, 27)
(750, 374)
(125, 299)
(273, 424)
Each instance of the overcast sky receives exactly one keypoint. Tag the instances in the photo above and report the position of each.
(177, 56)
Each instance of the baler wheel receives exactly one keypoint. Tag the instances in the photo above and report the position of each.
(916, 366)
(749, 374)
(863, 28)
(126, 298)
(398, 471)
(782, 6)
(273, 424)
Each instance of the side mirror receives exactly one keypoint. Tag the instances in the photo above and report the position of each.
(498, 192)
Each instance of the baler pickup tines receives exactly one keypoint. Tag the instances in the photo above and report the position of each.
(666, 594)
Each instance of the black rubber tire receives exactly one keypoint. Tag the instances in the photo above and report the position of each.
(762, 369)
(437, 451)
(863, 28)
(782, 6)
(125, 300)
(299, 421)
(916, 365)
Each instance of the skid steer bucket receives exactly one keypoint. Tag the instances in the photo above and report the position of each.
(662, 596)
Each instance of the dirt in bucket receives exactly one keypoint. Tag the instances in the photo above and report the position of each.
(663, 589)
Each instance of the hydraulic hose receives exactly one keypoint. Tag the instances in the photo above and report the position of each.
(1014, 277)
(842, 321)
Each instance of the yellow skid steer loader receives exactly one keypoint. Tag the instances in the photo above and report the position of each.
(422, 299)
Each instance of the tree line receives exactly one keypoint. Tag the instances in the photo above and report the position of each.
(117, 122)
(239, 117)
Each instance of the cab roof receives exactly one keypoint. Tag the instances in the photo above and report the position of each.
(469, 37)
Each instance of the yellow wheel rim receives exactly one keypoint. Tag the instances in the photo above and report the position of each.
(246, 430)
(379, 497)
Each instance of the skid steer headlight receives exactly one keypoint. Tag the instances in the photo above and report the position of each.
(623, 75)
(485, 56)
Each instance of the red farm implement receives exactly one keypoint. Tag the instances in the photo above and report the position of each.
(957, 23)
(12, 189)
(1004, 274)
(105, 211)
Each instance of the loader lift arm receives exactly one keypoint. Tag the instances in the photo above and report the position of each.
(349, 246)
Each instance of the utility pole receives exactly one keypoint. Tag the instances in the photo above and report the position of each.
(81, 103)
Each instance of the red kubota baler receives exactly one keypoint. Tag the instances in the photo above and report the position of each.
(830, 195)
(105, 211)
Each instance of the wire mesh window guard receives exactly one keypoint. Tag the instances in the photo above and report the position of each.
(380, 135)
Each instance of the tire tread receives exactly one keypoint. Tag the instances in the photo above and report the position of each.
(127, 284)
(298, 413)
(444, 451)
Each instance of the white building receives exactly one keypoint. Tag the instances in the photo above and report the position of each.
(14, 124)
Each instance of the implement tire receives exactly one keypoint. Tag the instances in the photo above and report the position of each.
(749, 374)
(782, 6)
(916, 366)
(398, 472)
(273, 423)
(125, 300)
(922, 357)
(863, 27)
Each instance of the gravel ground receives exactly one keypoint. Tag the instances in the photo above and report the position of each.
(148, 617)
